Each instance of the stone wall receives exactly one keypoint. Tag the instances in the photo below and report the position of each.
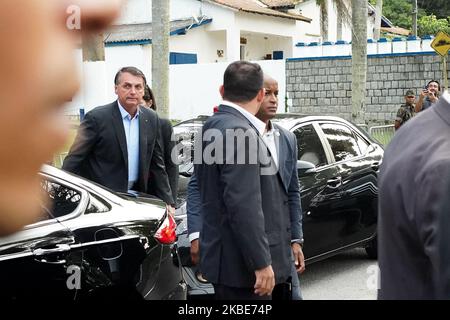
(322, 86)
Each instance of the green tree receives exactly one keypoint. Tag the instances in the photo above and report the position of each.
(399, 12)
(439, 8)
(430, 25)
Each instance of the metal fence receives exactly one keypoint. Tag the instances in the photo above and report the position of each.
(383, 134)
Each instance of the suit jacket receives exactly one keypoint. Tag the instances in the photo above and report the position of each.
(414, 216)
(100, 154)
(287, 162)
(245, 214)
(168, 146)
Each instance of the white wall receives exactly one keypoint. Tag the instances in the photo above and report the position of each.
(194, 89)
(182, 9)
(265, 24)
(136, 11)
(309, 32)
(258, 45)
(116, 58)
(201, 42)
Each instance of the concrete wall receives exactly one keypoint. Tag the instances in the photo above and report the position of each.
(382, 46)
(323, 85)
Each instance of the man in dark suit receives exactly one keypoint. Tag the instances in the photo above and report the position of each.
(245, 237)
(118, 145)
(414, 221)
(284, 143)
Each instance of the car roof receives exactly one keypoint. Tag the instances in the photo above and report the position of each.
(287, 120)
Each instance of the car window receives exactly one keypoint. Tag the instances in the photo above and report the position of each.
(96, 205)
(362, 144)
(60, 200)
(309, 146)
(185, 135)
(342, 141)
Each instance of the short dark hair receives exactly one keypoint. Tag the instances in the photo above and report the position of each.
(439, 85)
(242, 81)
(148, 95)
(131, 70)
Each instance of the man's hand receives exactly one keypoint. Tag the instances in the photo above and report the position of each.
(195, 252)
(265, 281)
(423, 94)
(432, 96)
(170, 210)
(299, 258)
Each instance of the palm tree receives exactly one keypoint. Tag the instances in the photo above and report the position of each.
(342, 13)
(359, 59)
(323, 4)
(343, 16)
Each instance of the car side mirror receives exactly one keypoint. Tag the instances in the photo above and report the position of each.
(305, 167)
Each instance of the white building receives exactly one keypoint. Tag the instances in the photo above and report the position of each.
(207, 32)
(215, 31)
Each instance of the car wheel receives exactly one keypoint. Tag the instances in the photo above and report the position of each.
(372, 248)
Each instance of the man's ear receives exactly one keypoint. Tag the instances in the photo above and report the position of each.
(221, 91)
(116, 88)
(261, 94)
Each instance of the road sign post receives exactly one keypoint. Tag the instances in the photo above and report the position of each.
(441, 44)
(444, 66)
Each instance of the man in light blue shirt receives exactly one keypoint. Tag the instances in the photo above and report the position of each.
(131, 127)
(118, 144)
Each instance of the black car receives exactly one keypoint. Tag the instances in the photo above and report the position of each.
(338, 166)
(92, 243)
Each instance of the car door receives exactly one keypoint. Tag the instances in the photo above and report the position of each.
(358, 203)
(39, 262)
(320, 190)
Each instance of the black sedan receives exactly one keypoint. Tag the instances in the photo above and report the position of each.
(92, 243)
(337, 165)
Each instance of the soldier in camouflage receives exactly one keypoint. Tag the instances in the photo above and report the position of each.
(406, 111)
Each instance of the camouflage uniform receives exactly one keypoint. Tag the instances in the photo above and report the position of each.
(404, 113)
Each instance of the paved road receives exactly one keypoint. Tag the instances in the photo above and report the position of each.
(346, 276)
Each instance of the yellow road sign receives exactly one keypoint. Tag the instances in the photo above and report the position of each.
(441, 44)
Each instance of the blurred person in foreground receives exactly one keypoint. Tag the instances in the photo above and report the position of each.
(414, 204)
(39, 75)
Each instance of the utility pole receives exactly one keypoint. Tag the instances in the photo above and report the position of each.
(414, 17)
(378, 14)
(359, 59)
(160, 55)
(94, 72)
